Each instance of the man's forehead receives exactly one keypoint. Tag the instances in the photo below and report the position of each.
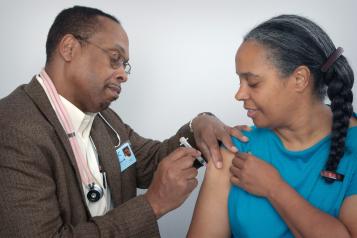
(111, 32)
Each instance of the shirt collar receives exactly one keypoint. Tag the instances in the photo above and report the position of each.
(82, 122)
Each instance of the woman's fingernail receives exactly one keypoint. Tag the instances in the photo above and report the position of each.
(234, 149)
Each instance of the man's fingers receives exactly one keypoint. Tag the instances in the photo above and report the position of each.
(243, 128)
(216, 155)
(184, 162)
(190, 173)
(227, 141)
(205, 151)
(237, 132)
(183, 152)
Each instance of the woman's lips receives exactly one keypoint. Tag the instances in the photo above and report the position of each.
(251, 113)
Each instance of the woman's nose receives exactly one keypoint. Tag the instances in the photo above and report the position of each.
(242, 93)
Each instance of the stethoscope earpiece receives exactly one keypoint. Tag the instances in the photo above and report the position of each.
(95, 192)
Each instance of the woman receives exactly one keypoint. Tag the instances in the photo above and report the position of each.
(297, 175)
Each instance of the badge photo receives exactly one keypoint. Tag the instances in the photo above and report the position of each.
(125, 156)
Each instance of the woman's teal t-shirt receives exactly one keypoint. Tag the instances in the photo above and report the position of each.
(252, 216)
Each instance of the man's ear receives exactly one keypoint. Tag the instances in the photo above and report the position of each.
(302, 77)
(67, 46)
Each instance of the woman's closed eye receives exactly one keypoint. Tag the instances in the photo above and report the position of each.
(253, 85)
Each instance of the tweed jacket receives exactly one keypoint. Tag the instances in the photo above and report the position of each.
(41, 192)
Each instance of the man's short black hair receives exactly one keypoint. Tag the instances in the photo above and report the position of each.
(79, 21)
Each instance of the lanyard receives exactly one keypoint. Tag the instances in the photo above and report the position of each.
(62, 114)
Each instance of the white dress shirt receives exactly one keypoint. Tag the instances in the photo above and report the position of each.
(82, 124)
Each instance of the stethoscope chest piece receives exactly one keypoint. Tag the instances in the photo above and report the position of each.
(95, 193)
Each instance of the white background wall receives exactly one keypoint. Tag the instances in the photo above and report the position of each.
(182, 53)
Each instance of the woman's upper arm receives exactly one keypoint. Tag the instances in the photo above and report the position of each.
(210, 217)
(348, 214)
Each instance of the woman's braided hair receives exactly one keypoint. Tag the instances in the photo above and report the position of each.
(293, 41)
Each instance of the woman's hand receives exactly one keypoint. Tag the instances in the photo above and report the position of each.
(253, 174)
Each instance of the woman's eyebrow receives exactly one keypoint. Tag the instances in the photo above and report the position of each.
(247, 75)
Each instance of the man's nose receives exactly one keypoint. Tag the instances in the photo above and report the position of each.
(120, 74)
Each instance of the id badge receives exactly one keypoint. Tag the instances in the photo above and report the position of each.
(125, 156)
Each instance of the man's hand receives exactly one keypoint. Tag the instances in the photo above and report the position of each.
(208, 130)
(173, 181)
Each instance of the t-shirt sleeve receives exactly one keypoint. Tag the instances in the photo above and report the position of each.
(242, 146)
(352, 188)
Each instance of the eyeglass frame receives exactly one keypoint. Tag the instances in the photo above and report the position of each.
(114, 63)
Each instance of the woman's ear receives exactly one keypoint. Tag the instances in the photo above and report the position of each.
(302, 77)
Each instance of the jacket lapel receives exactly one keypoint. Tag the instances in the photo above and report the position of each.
(107, 158)
(35, 91)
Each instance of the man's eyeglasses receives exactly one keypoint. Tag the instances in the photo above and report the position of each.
(116, 60)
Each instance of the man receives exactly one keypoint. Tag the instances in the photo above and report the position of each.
(126, 151)
(60, 168)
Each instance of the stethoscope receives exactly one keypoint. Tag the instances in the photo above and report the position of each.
(95, 191)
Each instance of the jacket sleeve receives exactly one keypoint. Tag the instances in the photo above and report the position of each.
(30, 206)
(148, 152)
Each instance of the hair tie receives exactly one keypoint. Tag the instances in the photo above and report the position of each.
(332, 175)
(331, 59)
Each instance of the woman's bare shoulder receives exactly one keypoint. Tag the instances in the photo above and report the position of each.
(227, 157)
